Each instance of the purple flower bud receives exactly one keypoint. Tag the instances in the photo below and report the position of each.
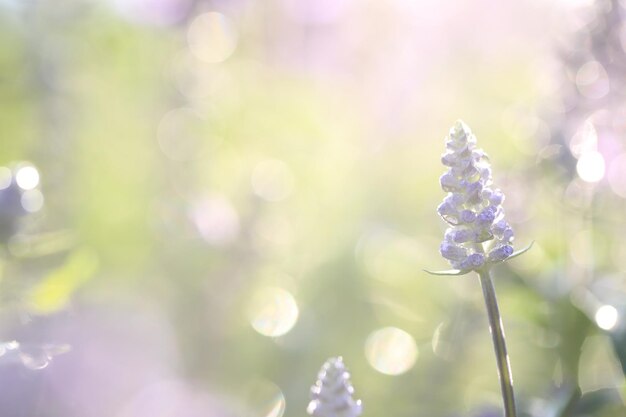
(446, 209)
(487, 215)
(450, 183)
(471, 174)
(467, 216)
(452, 252)
(485, 174)
(448, 159)
(508, 235)
(480, 157)
(475, 260)
(496, 198)
(499, 227)
(500, 253)
(463, 235)
(455, 199)
(452, 160)
(457, 145)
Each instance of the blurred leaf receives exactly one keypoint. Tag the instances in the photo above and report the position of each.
(54, 292)
(604, 402)
(43, 244)
(618, 339)
(565, 401)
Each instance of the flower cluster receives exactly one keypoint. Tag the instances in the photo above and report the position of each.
(331, 396)
(478, 232)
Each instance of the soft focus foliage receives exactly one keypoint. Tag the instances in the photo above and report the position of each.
(229, 192)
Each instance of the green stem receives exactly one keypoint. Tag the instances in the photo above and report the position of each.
(499, 344)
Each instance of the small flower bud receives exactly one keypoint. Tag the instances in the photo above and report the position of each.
(331, 396)
(508, 235)
(450, 183)
(467, 216)
(463, 235)
(475, 260)
(452, 252)
(500, 254)
(496, 198)
(486, 216)
(499, 227)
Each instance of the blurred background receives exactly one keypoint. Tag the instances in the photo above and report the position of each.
(202, 201)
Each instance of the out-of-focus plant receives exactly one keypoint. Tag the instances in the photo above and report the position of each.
(586, 154)
(332, 394)
(20, 197)
(479, 235)
(587, 118)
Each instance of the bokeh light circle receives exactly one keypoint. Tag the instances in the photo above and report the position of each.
(272, 180)
(584, 140)
(273, 311)
(391, 351)
(6, 177)
(32, 200)
(592, 80)
(606, 317)
(590, 167)
(216, 219)
(263, 398)
(211, 37)
(27, 177)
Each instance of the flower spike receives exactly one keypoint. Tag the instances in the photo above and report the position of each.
(478, 234)
(331, 396)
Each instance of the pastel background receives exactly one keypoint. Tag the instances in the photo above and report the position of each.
(211, 198)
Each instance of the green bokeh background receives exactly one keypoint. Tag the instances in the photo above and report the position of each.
(355, 109)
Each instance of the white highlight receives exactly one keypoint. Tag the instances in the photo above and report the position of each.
(606, 317)
(591, 167)
(27, 177)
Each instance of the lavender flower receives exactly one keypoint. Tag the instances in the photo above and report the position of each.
(331, 396)
(478, 233)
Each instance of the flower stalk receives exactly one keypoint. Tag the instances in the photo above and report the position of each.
(499, 343)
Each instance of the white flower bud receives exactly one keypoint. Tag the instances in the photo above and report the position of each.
(331, 396)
